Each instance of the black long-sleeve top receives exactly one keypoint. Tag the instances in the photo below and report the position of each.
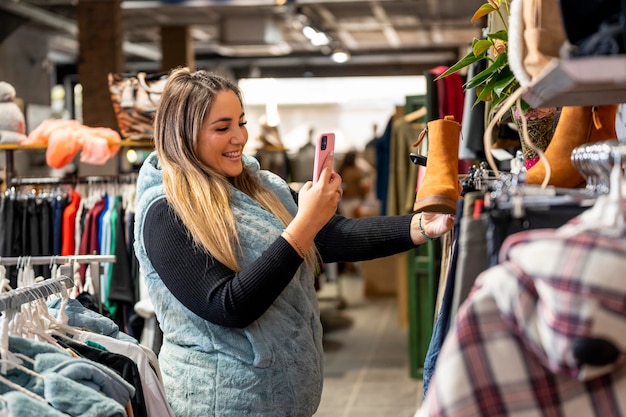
(235, 299)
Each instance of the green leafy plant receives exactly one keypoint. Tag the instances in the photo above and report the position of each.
(496, 82)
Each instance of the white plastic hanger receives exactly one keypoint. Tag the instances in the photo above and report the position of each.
(20, 272)
(5, 284)
(46, 324)
(5, 353)
(59, 324)
(36, 321)
(78, 284)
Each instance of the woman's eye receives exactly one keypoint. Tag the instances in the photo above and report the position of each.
(225, 128)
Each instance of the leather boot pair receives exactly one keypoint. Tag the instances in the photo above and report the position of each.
(440, 189)
(577, 125)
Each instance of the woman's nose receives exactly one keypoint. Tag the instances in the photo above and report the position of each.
(238, 137)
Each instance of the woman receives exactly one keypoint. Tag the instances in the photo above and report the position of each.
(229, 254)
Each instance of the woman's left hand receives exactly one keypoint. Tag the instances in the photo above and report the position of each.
(433, 225)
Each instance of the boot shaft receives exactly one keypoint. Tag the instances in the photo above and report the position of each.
(440, 189)
(577, 126)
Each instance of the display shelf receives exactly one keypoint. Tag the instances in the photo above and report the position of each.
(123, 143)
(10, 147)
(585, 81)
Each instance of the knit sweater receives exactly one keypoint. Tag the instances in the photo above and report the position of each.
(237, 300)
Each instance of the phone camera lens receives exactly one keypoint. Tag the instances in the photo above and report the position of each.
(324, 141)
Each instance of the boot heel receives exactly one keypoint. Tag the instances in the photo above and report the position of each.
(436, 204)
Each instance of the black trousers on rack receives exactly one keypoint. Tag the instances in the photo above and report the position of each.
(501, 224)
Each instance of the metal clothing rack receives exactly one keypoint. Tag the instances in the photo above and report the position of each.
(12, 299)
(66, 270)
(129, 178)
(55, 259)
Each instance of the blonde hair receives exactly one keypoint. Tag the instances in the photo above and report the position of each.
(199, 195)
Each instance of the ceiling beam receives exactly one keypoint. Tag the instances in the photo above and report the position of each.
(69, 26)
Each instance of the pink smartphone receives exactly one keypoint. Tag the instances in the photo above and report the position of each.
(324, 146)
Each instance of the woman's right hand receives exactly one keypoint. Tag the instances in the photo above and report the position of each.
(317, 203)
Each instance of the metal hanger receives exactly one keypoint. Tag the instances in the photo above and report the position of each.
(606, 216)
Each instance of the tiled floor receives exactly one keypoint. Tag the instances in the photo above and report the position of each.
(366, 356)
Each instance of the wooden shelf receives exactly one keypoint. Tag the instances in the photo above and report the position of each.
(124, 143)
(17, 146)
(10, 147)
(587, 81)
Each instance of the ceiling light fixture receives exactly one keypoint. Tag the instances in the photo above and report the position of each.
(309, 32)
(317, 38)
(320, 39)
(340, 56)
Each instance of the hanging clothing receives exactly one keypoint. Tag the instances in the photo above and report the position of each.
(479, 237)
(443, 314)
(19, 404)
(89, 244)
(450, 94)
(13, 237)
(68, 228)
(473, 126)
(383, 156)
(122, 365)
(502, 223)
(121, 293)
(151, 385)
(472, 257)
(31, 230)
(28, 228)
(61, 392)
(51, 222)
(47, 229)
(402, 173)
(58, 205)
(527, 341)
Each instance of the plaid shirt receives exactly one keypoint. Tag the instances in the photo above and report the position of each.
(511, 349)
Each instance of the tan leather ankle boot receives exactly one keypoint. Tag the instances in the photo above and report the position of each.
(576, 126)
(440, 189)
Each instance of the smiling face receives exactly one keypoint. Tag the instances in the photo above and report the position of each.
(223, 135)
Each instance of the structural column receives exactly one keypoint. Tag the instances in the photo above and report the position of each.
(100, 52)
(176, 48)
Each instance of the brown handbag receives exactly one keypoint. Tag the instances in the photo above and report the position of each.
(135, 98)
